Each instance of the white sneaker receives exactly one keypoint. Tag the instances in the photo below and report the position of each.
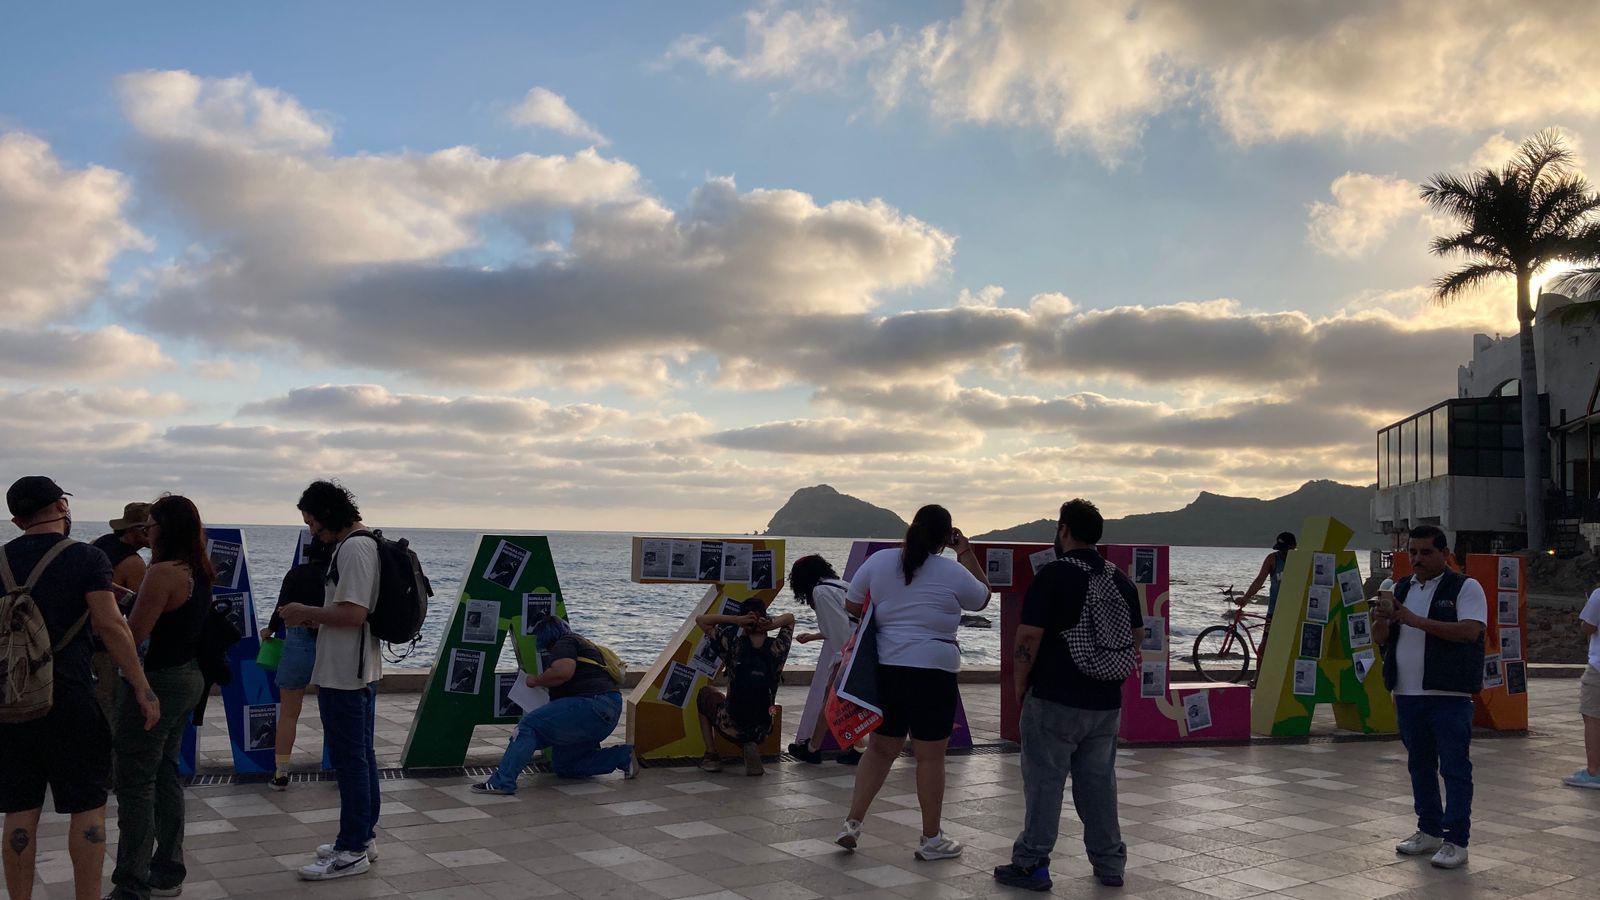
(324, 851)
(1450, 857)
(1419, 844)
(938, 847)
(338, 865)
(849, 835)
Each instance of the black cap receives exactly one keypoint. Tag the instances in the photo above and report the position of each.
(31, 493)
(1285, 541)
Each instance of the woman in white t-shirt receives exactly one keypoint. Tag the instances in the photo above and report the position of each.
(917, 596)
(818, 586)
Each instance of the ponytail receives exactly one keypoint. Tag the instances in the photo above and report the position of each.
(928, 534)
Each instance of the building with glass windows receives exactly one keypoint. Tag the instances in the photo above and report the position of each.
(1458, 463)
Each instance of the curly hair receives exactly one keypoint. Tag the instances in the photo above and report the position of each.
(331, 504)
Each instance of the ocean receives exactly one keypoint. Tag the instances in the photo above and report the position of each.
(636, 620)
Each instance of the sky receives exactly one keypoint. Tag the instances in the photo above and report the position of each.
(640, 266)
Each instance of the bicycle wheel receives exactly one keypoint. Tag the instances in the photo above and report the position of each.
(1221, 654)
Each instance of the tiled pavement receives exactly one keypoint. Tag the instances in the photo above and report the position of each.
(1315, 821)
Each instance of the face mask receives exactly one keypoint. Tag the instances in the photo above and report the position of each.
(66, 526)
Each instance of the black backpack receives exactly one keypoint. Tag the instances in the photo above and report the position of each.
(752, 684)
(403, 592)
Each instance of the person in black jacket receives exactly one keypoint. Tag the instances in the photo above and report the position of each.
(301, 584)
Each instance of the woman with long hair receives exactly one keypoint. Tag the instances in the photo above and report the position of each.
(170, 607)
(917, 595)
(819, 587)
(301, 584)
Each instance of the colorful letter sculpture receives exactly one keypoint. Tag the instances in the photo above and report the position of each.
(663, 722)
(1502, 704)
(961, 734)
(1152, 709)
(250, 699)
(511, 583)
(1320, 648)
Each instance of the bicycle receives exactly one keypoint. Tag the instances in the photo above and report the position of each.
(1223, 652)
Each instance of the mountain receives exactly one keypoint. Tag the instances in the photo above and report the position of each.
(1214, 520)
(822, 511)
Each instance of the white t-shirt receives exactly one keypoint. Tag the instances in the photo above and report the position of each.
(917, 622)
(1591, 614)
(339, 649)
(1471, 605)
(833, 620)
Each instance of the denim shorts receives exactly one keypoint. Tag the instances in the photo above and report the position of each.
(299, 656)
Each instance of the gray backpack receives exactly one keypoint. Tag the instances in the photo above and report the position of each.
(27, 658)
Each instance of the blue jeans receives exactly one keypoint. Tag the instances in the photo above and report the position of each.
(348, 718)
(573, 728)
(1437, 732)
(1059, 741)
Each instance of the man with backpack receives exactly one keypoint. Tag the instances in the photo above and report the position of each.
(1077, 642)
(348, 666)
(585, 704)
(51, 727)
(754, 660)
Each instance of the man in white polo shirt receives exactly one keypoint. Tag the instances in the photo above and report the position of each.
(1431, 630)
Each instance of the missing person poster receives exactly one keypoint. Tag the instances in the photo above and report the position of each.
(1516, 677)
(1510, 573)
(655, 558)
(1305, 677)
(465, 675)
(1322, 569)
(685, 562)
(710, 565)
(1505, 608)
(761, 578)
(506, 565)
(677, 689)
(1155, 634)
(1493, 671)
(1038, 559)
(225, 558)
(1197, 710)
(1510, 643)
(1360, 630)
(535, 606)
(481, 624)
(705, 659)
(736, 562)
(504, 706)
(1351, 591)
(1144, 565)
(1318, 600)
(997, 564)
(261, 724)
(1311, 640)
(1152, 679)
(1362, 661)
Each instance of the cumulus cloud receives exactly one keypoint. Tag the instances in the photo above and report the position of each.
(811, 48)
(71, 354)
(1093, 73)
(1364, 210)
(546, 109)
(60, 228)
(358, 404)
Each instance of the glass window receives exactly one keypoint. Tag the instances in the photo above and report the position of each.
(1394, 455)
(1408, 451)
(1489, 463)
(1510, 463)
(1441, 441)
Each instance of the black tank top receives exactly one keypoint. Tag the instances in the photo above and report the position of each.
(114, 549)
(175, 639)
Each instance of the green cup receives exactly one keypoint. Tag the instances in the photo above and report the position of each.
(271, 653)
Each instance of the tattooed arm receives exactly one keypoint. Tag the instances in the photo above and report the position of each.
(1022, 657)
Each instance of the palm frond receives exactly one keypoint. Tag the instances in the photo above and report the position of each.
(1582, 285)
(1448, 287)
(1543, 155)
(1461, 196)
(1469, 243)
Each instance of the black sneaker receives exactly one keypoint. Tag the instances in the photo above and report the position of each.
(1109, 879)
(849, 757)
(279, 781)
(1032, 878)
(805, 754)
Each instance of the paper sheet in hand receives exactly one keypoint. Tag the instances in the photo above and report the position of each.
(528, 698)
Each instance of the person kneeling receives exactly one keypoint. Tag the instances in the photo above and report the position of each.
(754, 660)
(585, 704)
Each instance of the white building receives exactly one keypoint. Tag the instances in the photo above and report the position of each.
(1458, 464)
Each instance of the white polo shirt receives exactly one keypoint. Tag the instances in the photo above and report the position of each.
(1471, 605)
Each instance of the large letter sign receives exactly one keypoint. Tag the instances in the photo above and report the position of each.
(1320, 648)
(662, 719)
(510, 584)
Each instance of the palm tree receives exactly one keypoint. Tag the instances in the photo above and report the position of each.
(1536, 210)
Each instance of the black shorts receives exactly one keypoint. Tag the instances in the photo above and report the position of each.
(921, 701)
(69, 750)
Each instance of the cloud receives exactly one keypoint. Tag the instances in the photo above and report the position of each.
(544, 108)
(363, 404)
(60, 228)
(838, 436)
(70, 354)
(811, 48)
(1094, 73)
(1364, 210)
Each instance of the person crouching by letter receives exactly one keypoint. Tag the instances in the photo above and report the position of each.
(1077, 642)
(1431, 631)
(754, 660)
(585, 704)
